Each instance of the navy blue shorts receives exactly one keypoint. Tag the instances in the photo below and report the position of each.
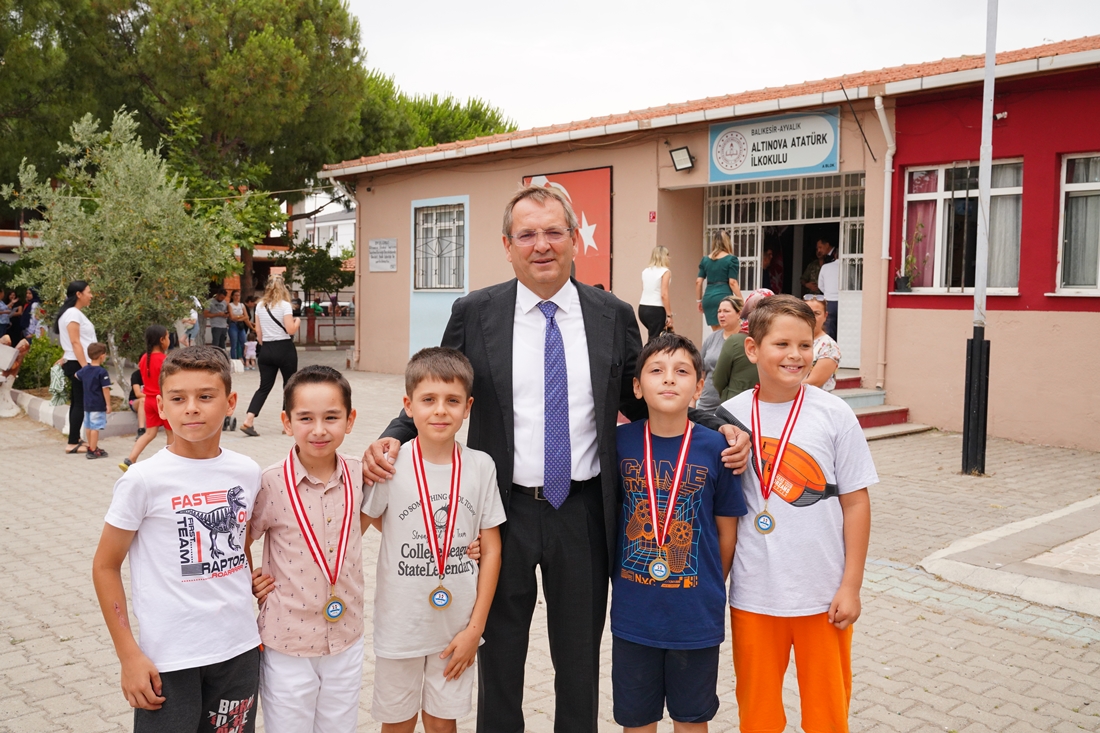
(644, 679)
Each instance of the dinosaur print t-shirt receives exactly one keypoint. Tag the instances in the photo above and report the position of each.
(795, 570)
(687, 610)
(192, 590)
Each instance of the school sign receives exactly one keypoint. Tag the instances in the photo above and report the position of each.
(788, 145)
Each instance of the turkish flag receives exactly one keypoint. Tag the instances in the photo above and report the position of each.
(590, 193)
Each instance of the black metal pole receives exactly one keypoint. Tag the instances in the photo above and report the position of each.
(976, 406)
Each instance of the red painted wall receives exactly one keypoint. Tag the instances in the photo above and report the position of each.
(1048, 116)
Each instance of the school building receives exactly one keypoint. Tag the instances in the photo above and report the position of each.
(882, 164)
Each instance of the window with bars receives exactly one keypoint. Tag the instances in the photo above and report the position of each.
(439, 253)
(1079, 257)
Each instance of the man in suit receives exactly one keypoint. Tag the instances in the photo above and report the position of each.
(553, 362)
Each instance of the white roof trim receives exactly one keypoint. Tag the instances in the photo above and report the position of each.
(904, 86)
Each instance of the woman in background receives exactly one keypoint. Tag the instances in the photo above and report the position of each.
(729, 319)
(718, 271)
(654, 309)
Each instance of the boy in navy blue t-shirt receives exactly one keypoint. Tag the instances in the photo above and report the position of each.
(97, 397)
(668, 604)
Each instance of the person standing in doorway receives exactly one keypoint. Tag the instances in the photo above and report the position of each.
(275, 329)
(718, 271)
(76, 334)
(553, 364)
(828, 279)
(217, 310)
(655, 309)
(825, 253)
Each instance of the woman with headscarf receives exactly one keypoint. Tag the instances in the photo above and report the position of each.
(718, 272)
(32, 313)
(76, 333)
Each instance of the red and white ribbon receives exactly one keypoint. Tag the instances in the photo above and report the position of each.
(440, 550)
(660, 529)
(784, 439)
(299, 510)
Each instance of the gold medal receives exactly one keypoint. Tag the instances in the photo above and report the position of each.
(439, 598)
(659, 569)
(440, 547)
(765, 522)
(334, 609)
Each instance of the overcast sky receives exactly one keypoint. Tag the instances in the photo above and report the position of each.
(553, 62)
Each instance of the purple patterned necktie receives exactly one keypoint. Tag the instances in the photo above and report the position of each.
(558, 466)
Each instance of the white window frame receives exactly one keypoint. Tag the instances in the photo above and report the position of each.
(939, 196)
(461, 272)
(1065, 189)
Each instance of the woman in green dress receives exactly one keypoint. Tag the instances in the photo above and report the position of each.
(718, 271)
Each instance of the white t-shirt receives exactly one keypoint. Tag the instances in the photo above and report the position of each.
(405, 625)
(192, 590)
(828, 280)
(87, 331)
(796, 569)
(651, 286)
(273, 330)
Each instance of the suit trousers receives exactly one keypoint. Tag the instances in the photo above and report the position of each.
(569, 547)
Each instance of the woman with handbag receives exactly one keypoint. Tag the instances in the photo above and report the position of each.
(654, 309)
(275, 328)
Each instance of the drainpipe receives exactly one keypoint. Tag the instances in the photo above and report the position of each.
(887, 202)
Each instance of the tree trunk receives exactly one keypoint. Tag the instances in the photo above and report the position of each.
(122, 378)
(247, 285)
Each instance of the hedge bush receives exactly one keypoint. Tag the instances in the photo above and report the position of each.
(35, 371)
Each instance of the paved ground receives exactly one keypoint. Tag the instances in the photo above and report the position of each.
(928, 655)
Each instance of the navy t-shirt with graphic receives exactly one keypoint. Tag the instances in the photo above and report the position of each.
(94, 378)
(687, 610)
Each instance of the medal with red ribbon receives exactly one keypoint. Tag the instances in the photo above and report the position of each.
(440, 548)
(764, 521)
(659, 569)
(334, 607)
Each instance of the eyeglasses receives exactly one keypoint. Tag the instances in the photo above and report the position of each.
(813, 296)
(528, 237)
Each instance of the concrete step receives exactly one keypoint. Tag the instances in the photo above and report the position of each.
(861, 397)
(893, 431)
(848, 383)
(873, 417)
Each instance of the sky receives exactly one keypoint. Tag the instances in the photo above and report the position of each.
(549, 63)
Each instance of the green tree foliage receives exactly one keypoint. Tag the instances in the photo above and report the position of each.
(316, 270)
(119, 219)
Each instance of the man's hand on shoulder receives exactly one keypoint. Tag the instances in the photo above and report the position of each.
(736, 457)
(378, 460)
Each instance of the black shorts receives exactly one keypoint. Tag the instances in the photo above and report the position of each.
(644, 679)
(217, 698)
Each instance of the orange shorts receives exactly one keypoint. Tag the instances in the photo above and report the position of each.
(823, 662)
(152, 415)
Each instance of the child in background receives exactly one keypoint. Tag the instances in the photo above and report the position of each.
(311, 614)
(799, 561)
(676, 538)
(180, 518)
(250, 352)
(428, 625)
(156, 346)
(136, 400)
(97, 397)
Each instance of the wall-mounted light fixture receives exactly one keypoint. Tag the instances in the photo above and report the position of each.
(681, 159)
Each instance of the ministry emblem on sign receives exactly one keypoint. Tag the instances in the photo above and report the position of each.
(730, 150)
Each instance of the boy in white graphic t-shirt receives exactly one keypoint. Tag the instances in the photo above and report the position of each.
(180, 517)
(801, 548)
(428, 623)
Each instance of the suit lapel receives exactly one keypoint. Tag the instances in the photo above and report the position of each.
(599, 332)
(497, 324)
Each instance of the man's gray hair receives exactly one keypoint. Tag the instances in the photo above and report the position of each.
(540, 195)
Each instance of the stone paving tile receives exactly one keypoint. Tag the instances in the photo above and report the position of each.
(927, 656)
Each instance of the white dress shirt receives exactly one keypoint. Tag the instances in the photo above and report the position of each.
(528, 407)
(828, 280)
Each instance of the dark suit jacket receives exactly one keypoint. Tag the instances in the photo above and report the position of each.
(481, 327)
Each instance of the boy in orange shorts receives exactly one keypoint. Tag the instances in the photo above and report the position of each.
(801, 548)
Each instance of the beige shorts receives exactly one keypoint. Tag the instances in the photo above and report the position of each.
(404, 687)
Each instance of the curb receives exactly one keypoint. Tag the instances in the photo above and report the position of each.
(57, 417)
(316, 347)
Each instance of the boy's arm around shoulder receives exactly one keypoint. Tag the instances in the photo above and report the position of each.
(140, 679)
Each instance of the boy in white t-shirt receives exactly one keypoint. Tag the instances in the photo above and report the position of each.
(180, 517)
(801, 548)
(428, 623)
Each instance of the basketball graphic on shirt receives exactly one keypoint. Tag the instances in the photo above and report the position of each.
(678, 546)
(800, 482)
(640, 525)
(439, 518)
